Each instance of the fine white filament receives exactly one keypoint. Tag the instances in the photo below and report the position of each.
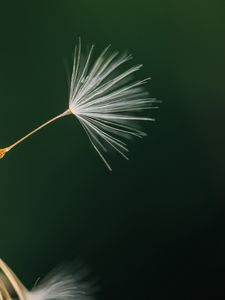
(106, 101)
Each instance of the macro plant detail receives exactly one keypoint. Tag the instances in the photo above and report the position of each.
(59, 284)
(106, 101)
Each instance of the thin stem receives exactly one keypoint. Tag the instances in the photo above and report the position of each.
(66, 113)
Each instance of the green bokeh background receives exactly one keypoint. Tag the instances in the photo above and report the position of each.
(154, 227)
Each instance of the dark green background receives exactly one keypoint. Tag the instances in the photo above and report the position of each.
(154, 227)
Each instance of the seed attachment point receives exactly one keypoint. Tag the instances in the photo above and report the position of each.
(3, 152)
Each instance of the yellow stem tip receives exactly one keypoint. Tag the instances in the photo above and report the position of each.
(3, 152)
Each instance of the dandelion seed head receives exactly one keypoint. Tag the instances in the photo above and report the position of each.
(107, 101)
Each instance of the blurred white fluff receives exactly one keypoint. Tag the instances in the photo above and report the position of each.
(107, 102)
(63, 284)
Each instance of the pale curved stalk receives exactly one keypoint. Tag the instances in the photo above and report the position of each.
(4, 294)
(7, 149)
(17, 285)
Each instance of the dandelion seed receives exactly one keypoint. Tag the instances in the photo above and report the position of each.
(106, 101)
(59, 284)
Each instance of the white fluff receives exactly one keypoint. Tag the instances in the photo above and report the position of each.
(106, 101)
(62, 284)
